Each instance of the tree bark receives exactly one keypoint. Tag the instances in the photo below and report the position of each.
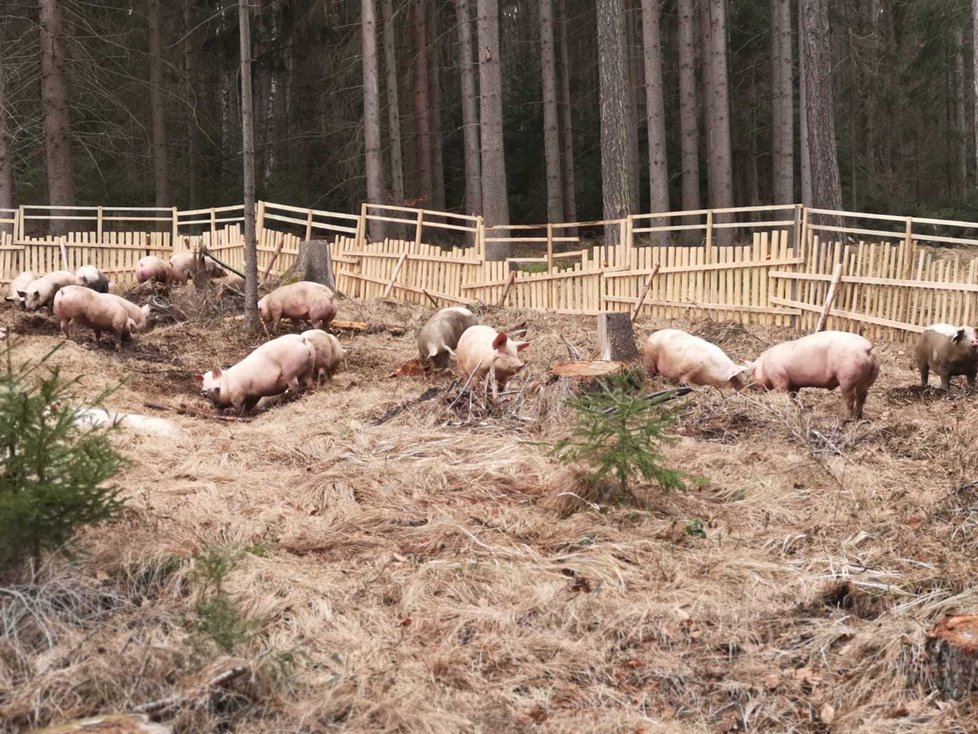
(782, 154)
(718, 147)
(393, 105)
(551, 129)
(422, 102)
(567, 126)
(470, 111)
(805, 167)
(689, 123)
(6, 160)
(633, 90)
(974, 56)
(190, 72)
(54, 109)
(248, 165)
(494, 193)
(157, 108)
(616, 337)
(313, 263)
(612, 77)
(434, 85)
(371, 116)
(960, 118)
(819, 113)
(655, 107)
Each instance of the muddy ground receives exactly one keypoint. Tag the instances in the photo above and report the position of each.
(405, 565)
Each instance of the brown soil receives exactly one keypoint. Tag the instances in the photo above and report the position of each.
(406, 567)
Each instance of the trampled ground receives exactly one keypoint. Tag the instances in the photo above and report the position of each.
(430, 569)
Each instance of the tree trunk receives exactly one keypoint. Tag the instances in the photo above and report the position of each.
(434, 85)
(54, 108)
(393, 105)
(157, 109)
(974, 80)
(633, 89)
(371, 116)
(688, 121)
(551, 131)
(6, 160)
(567, 138)
(248, 164)
(612, 77)
(494, 193)
(960, 118)
(616, 337)
(313, 263)
(782, 133)
(718, 148)
(190, 71)
(655, 110)
(803, 131)
(819, 115)
(422, 102)
(470, 110)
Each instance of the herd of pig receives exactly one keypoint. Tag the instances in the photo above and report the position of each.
(828, 359)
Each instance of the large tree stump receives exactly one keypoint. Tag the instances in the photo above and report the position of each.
(616, 339)
(952, 649)
(312, 263)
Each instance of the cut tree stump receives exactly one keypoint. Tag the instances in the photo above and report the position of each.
(616, 338)
(313, 262)
(584, 370)
(952, 650)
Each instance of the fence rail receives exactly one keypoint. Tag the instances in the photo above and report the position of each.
(764, 264)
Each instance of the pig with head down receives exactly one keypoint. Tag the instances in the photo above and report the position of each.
(329, 353)
(91, 277)
(40, 292)
(947, 350)
(827, 359)
(138, 314)
(482, 349)
(272, 368)
(439, 336)
(300, 301)
(689, 360)
(153, 268)
(75, 304)
(19, 283)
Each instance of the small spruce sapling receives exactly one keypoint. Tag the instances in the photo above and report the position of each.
(619, 431)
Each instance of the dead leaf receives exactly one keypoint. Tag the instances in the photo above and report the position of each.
(827, 713)
(772, 681)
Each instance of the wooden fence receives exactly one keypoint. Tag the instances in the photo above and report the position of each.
(896, 274)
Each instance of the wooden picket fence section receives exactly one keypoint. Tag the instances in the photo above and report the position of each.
(896, 275)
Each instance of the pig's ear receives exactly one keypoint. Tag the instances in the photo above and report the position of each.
(749, 365)
(959, 336)
(520, 346)
(199, 380)
(22, 294)
(216, 372)
(500, 340)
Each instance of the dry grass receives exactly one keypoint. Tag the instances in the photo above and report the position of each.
(412, 572)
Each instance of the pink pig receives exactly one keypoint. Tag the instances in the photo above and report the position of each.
(287, 361)
(300, 301)
(40, 292)
(482, 348)
(689, 360)
(138, 314)
(153, 268)
(828, 359)
(75, 304)
(329, 353)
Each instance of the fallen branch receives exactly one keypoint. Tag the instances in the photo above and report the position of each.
(509, 284)
(645, 292)
(363, 327)
(573, 351)
(430, 298)
(278, 251)
(222, 263)
(196, 699)
(401, 407)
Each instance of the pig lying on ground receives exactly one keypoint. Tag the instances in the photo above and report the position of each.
(19, 283)
(439, 336)
(301, 301)
(91, 277)
(288, 361)
(148, 424)
(75, 304)
(138, 314)
(482, 349)
(40, 292)
(947, 350)
(329, 353)
(827, 359)
(689, 360)
(153, 268)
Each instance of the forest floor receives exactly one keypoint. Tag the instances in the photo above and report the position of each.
(429, 569)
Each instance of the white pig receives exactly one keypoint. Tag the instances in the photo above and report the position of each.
(329, 352)
(300, 301)
(690, 360)
(439, 336)
(19, 283)
(138, 314)
(947, 350)
(40, 291)
(827, 359)
(91, 277)
(482, 349)
(75, 304)
(287, 361)
(153, 268)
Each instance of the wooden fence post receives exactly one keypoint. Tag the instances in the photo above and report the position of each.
(796, 233)
(19, 227)
(709, 234)
(213, 226)
(909, 250)
(98, 224)
(309, 225)
(550, 264)
(359, 239)
(419, 227)
(480, 228)
(174, 231)
(259, 220)
(397, 269)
